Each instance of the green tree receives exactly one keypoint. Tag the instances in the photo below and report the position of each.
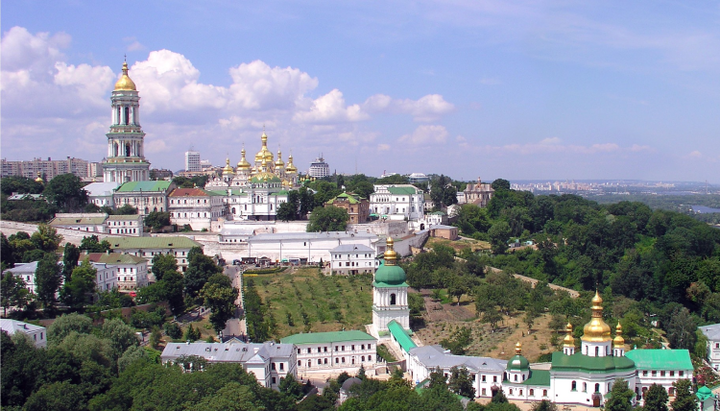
(291, 387)
(47, 280)
(220, 299)
(77, 293)
(685, 399)
(232, 397)
(655, 398)
(191, 334)
(58, 396)
(437, 379)
(92, 244)
(500, 185)
(13, 291)
(157, 219)
(23, 185)
(544, 405)
(46, 238)
(7, 254)
(66, 193)
(681, 329)
(620, 397)
(71, 255)
(499, 235)
(200, 269)
(120, 335)
(287, 211)
(163, 263)
(126, 209)
(458, 286)
(442, 192)
(460, 382)
(329, 218)
(458, 341)
(66, 324)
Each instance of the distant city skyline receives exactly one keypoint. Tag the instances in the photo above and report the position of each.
(497, 89)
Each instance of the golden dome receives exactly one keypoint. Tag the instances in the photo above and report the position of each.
(569, 341)
(390, 253)
(243, 163)
(597, 329)
(125, 83)
(39, 178)
(279, 163)
(618, 341)
(290, 166)
(264, 153)
(518, 348)
(228, 169)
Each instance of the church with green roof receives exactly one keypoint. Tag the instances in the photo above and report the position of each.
(390, 294)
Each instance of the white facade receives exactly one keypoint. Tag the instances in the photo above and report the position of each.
(311, 247)
(353, 259)
(339, 350)
(101, 194)
(36, 333)
(85, 222)
(712, 333)
(105, 278)
(398, 202)
(26, 271)
(390, 304)
(269, 362)
(192, 161)
(257, 201)
(148, 247)
(124, 225)
(195, 207)
(319, 168)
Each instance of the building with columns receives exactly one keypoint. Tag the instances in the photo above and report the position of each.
(125, 159)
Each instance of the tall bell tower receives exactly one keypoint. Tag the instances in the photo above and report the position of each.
(126, 155)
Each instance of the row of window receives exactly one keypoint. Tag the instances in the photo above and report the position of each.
(338, 360)
(185, 201)
(662, 373)
(338, 348)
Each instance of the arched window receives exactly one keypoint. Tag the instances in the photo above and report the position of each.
(532, 392)
(584, 387)
(392, 299)
(515, 377)
(597, 351)
(573, 387)
(597, 387)
(127, 115)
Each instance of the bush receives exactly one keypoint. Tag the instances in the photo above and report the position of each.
(173, 330)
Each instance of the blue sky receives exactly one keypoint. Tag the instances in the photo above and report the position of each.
(490, 89)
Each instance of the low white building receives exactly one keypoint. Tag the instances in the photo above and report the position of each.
(398, 202)
(712, 333)
(486, 373)
(353, 259)
(26, 271)
(36, 333)
(336, 350)
(101, 194)
(124, 225)
(146, 196)
(105, 278)
(147, 247)
(306, 247)
(269, 361)
(85, 222)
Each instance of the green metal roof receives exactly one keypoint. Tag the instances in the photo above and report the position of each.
(402, 190)
(352, 199)
(151, 242)
(134, 186)
(116, 258)
(584, 363)
(389, 276)
(538, 378)
(518, 362)
(660, 359)
(78, 220)
(703, 393)
(121, 217)
(401, 336)
(327, 337)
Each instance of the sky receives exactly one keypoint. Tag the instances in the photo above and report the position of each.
(514, 89)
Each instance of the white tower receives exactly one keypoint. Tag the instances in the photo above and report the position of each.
(126, 154)
(390, 301)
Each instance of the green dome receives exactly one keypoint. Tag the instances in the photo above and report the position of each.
(389, 275)
(518, 362)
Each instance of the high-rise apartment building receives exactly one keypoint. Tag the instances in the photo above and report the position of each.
(192, 161)
(319, 168)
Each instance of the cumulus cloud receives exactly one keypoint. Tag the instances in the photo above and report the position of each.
(425, 135)
(554, 145)
(428, 108)
(331, 108)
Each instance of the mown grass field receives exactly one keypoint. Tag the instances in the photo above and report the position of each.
(305, 300)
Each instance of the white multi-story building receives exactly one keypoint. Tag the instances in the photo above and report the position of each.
(353, 259)
(99, 223)
(130, 272)
(712, 333)
(319, 168)
(336, 350)
(398, 202)
(101, 194)
(36, 333)
(195, 207)
(146, 196)
(192, 161)
(105, 278)
(269, 361)
(26, 271)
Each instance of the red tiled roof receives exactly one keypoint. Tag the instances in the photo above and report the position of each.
(188, 192)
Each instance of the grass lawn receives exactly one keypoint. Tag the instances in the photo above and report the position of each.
(305, 300)
(459, 245)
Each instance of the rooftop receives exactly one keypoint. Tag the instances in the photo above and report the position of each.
(712, 332)
(188, 192)
(401, 336)
(584, 363)
(660, 359)
(13, 326)
(115, 258)
(138, 186)
(151, 242)
(352, 248)
(435, 356)
(328, 337)
(327, 235)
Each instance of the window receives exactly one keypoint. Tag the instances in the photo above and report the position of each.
(510, 392)
(544, 393)
(299, 362)
(573, 386)
(362, 359)
(362, 346)
(494, 378)
(671, 391)
(282, 366)
(662, 373)
(645, 373)
(298, 351)
(343, 360)
(532, 392)
(515, 377)
(484, 392)
(392, 299)
(654, 373)
(597, 387)
(584, 387)
(353, 347)
(482, 378)
(309, 350)
(672, 373)
(272, 366)
(337, 360)
(273, 380)
(681, 373)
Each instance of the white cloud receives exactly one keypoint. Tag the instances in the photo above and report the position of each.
(331, 108)
(257, 86)
(425, 134)
(428, 108)
(383, 147)
(553, 145)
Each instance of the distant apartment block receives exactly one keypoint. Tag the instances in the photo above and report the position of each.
(50, 168)
(319, 168)
(192, 161)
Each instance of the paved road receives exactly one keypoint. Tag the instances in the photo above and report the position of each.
(236, 326)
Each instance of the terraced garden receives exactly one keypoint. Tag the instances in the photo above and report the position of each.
(305, 300)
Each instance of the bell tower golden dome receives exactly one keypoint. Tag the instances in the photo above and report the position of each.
(597, 329)
(125, 83)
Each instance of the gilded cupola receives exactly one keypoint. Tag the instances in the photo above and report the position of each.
(279, 163)
(264, 153)
(290, 166)
(618, 341)
(569, 341)
(243, 163)
(390, 253)
(597, 329)
(227, 170)
(125, 83)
